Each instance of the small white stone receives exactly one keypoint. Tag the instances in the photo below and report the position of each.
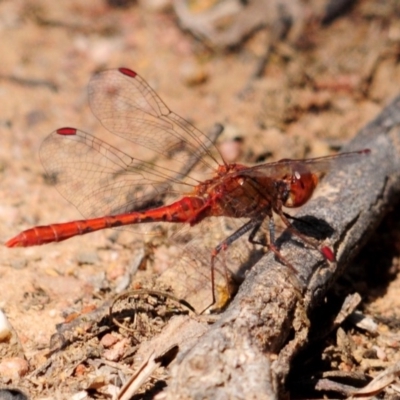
(83, 394)
(5, 327)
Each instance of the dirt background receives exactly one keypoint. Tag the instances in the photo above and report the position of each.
(321, 84)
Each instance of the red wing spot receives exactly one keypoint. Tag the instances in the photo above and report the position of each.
(128, 72)
(66, 131)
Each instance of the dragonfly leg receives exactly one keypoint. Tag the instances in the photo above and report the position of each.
(271, 245)
(250, 225)
(325, 251)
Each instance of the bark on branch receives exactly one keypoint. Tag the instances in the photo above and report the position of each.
(247, 352)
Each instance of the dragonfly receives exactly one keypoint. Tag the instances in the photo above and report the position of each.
(163, 181)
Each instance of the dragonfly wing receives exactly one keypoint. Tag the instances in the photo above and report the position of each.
(318, 165)
(128, 107)
(188, 271)
(101, 180)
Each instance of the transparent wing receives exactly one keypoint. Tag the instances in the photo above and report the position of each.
(99, 179)
(189, 272)
(321, 165)
(128, 107)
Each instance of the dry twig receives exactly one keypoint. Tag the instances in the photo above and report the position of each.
(247, 353)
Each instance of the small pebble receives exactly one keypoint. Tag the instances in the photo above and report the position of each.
(5, 327)
(83, 394)
(80, 370)
(53, 313)
(193, 74)
(87, 257)
(108, 340)
(116, 352)
(18, 264)
(13, 367)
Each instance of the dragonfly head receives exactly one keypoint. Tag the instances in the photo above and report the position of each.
(301, 185)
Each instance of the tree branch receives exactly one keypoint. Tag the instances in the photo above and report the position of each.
(247, 352)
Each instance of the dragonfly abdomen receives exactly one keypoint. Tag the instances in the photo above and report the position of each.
(180, 211)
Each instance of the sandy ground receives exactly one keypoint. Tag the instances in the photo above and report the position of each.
(313, 97)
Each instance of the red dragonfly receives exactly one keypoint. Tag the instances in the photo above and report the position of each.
(160, 183)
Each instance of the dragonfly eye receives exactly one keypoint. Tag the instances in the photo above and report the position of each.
(301, 187)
